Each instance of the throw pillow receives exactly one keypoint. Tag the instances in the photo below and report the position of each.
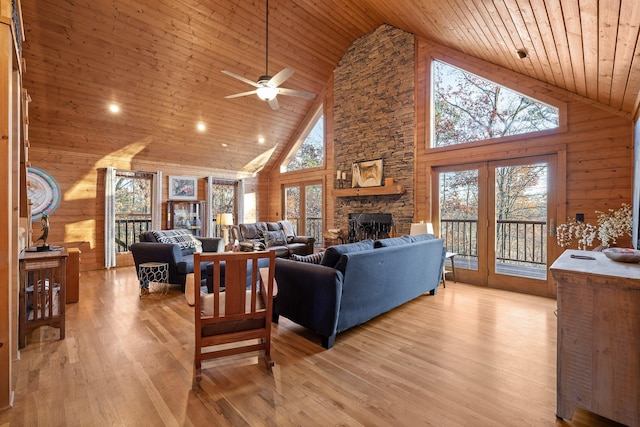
(333, 253)
(313, 258)
(274, 238)
(181, 237)
(287, 227)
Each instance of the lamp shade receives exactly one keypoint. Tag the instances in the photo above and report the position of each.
(224, 219)
(421, 228)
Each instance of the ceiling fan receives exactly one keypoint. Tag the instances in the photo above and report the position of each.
(267, 87)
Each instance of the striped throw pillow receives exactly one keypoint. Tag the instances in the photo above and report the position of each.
(181, 237)
(313, 258)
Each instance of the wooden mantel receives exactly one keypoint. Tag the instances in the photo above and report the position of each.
(369, 191)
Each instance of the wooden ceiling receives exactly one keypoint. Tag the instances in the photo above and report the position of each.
(161, 61)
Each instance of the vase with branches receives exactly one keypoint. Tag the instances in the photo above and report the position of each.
(612, 224)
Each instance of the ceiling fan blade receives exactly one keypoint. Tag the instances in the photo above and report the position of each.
(237, 95)
(298, 93)
(273, 103)
(242, 79)
(281, 77)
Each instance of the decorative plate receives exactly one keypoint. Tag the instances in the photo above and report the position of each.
(622, 254)
(43, 191)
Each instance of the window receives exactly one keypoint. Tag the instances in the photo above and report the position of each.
(133, 207)
(469, 108)
(309, 151)
(223, 200)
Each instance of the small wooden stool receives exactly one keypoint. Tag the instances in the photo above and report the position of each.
(157, 272)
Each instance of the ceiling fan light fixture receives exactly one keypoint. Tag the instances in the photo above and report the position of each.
(267, 93)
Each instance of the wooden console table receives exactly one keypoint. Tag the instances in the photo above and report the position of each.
(598, 336)
(42, 291)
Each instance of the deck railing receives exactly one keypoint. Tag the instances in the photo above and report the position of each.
(128, 229)
(517, 242)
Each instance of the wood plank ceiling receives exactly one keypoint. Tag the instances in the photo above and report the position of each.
(160, 60)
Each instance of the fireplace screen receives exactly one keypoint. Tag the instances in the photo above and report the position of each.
(364, 226)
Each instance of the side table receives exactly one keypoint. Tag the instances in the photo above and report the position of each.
(452, 257)
(157, 272)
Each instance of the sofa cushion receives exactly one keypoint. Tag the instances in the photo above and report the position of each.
(333, 253)
(313, 258)
(181, 237)
(252, 231)
(287, 227)
(392, 241)
(274, 238)
(273, 226)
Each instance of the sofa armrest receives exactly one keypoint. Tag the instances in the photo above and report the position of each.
(169, 253)
(212, 244)
(303, 239)
(308, 294)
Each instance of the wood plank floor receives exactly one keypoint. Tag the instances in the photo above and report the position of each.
(469, 356)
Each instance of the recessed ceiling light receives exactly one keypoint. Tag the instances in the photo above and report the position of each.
(261, 140)
(224, 145)
(201, 127)
(114, 108)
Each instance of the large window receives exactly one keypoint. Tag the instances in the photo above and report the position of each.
(469, 108)
(309, 151)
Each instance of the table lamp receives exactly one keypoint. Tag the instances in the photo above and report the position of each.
(421, 228)
(225, 220)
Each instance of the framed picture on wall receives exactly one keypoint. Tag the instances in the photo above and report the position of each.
(366, 174)
(183, 188)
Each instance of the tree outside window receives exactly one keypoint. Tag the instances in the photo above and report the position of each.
(468, 108)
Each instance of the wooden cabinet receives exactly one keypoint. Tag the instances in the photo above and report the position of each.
(185, 215)
(42, 291)
(598, 336)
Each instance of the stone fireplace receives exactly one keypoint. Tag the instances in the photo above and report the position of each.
(374, 118)
(364, 226)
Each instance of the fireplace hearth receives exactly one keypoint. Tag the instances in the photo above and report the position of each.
(364, 226)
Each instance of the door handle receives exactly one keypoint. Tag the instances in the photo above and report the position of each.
(552, 227)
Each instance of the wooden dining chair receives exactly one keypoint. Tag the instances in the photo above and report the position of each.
(234, 318)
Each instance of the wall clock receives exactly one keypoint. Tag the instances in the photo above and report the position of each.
(43, 191)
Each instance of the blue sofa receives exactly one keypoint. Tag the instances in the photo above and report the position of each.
(356, 282)
(177, 251)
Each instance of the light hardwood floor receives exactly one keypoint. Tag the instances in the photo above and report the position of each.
(469, 356)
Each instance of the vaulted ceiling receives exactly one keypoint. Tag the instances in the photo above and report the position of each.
(161, 61)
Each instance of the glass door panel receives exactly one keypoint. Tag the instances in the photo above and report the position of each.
(292, 206)
(313, 212)
(459, 208)
(521, 220)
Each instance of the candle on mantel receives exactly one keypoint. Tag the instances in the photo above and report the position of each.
(338, 175)
(344, 175)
